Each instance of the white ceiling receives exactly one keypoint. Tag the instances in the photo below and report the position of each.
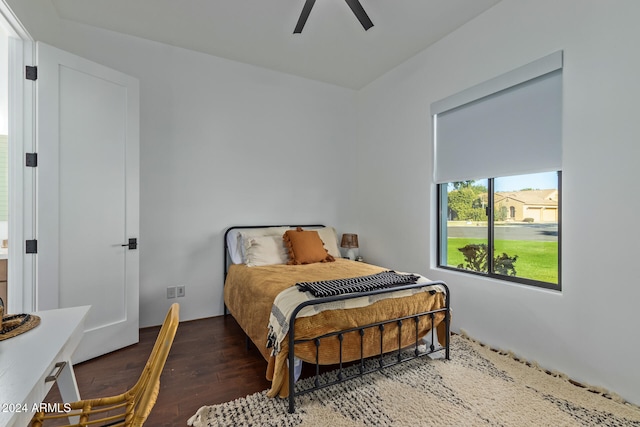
(332, 48)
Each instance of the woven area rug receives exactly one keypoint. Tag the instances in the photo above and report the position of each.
(477, 386)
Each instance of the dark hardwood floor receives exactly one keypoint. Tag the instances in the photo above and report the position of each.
(208, 364)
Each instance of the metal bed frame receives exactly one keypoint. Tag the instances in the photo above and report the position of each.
(384, 361)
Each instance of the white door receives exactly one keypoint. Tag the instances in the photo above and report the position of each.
(88, 196)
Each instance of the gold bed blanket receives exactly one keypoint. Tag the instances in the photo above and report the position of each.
(249, 293)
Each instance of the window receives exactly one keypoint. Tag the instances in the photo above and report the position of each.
(521, 241)
(497, 166)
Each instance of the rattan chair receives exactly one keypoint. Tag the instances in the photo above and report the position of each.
(132, 407)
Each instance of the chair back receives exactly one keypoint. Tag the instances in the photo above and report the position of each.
(145, 392)
(131, 408)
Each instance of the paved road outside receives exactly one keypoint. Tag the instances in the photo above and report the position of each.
(538, 232)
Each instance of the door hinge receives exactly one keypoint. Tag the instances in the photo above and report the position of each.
(31, 160)
(31, 72)
(133, 244)
(31, 246)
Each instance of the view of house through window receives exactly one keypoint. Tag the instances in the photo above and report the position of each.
(505, 226)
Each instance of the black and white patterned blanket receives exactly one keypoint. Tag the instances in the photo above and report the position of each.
(385, 279)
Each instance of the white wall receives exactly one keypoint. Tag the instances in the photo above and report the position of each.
(4, 116)
(4, 80)
(590, 330)
(222, 143)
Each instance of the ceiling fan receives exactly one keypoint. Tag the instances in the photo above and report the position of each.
(355, 6)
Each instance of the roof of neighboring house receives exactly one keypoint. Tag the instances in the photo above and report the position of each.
(530, 197)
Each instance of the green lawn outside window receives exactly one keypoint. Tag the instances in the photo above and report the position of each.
(536, 260)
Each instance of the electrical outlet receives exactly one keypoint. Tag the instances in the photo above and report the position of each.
(171, 292)
(181, 291)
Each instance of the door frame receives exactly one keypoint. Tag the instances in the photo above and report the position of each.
(21, 276)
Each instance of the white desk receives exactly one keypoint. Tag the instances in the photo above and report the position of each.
(27, 359)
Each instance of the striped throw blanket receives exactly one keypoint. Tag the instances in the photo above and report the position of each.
(385, 279)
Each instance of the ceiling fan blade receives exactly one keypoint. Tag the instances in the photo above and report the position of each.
(306, 10)
(362, 16)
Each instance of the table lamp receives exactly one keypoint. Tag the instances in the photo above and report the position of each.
(350, 241)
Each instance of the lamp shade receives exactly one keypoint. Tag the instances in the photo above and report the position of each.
(349, 240)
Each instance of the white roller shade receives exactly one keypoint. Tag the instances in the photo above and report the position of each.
(513, 128)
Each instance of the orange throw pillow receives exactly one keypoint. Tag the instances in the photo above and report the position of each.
(305, 247)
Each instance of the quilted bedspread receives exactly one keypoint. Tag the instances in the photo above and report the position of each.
(250, 292)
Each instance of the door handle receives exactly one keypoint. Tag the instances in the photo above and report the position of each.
(133, 244)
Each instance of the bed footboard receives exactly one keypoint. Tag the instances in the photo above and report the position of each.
(399, 355)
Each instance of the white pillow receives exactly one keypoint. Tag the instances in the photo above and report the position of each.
(234, 247)
(265, 250)
(329, 237)
(249, 233)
